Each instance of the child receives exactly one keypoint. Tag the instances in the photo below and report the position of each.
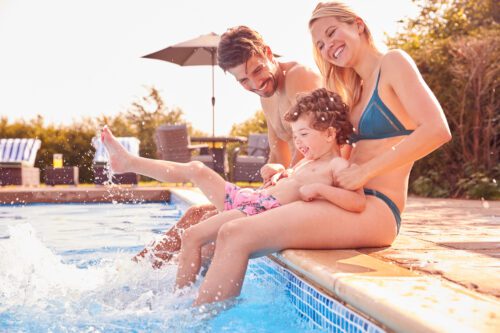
(319, 124)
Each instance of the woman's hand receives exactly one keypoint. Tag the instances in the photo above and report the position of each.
(309, 192)
(351, 178)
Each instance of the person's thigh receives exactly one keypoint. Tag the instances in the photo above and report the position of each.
(206, 231)
(313, 225)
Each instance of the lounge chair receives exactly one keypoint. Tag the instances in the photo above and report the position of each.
(17, 161)
(173, 144)
(247, 167)
(101, 159)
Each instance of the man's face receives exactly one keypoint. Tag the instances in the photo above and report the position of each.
(258, 75)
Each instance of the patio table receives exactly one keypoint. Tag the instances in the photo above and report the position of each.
(218, 149)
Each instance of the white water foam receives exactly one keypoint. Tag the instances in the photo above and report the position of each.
(35, 282)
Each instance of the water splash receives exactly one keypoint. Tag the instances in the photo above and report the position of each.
(65, 273)
(37, 286)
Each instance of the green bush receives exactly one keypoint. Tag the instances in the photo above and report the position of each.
(479, 184)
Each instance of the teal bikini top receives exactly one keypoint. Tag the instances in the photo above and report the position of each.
(377, 121)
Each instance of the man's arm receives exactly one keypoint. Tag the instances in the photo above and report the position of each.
(278, 149)
(300, 79)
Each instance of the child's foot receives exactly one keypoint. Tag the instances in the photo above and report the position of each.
(119, 158)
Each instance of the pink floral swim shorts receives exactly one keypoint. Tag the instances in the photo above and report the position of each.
(247, 200)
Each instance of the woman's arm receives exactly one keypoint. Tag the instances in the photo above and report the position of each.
(353, 201)
(430, 133)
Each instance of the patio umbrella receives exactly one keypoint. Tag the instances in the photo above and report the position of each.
(198, 51)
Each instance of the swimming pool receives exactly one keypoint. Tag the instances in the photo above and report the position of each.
(67, 268)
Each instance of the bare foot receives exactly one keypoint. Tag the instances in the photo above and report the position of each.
(119, 157)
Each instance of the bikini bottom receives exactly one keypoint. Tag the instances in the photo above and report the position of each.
(389, 202)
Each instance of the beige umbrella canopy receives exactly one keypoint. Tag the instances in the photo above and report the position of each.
(199, 51)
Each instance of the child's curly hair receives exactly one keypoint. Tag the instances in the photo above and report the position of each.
(325, 108)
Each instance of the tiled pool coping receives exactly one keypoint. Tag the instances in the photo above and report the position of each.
(396, 298)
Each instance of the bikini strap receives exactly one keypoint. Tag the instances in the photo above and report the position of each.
(378, 79)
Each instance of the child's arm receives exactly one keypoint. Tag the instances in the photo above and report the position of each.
(353, 201)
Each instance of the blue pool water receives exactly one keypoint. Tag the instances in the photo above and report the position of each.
(67, 268)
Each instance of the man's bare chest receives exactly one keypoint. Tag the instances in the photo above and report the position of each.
(275, 112)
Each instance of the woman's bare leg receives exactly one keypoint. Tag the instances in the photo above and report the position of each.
(193, 240)
(313, 225)
(171, 242)
(210, 182)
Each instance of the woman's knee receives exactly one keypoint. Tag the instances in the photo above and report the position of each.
(233, 234)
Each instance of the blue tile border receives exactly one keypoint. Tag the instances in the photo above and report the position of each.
(321, 310)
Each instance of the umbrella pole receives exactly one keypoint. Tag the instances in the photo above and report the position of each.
(213, 95)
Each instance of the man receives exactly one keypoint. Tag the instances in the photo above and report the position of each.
(243, 53)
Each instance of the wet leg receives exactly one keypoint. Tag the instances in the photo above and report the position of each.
(193, 239)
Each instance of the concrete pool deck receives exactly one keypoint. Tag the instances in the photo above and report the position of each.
(442, 274)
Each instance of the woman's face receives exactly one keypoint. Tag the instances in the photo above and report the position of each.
(337, 42)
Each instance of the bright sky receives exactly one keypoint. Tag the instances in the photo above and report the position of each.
(65, 59)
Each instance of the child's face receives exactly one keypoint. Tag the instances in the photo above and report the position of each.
(312, 143)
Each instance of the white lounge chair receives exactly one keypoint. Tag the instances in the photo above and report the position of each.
(17, 161)
(101, 158)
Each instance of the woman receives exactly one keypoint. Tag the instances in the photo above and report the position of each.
(397, 120)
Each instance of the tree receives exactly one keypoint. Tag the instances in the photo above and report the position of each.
(74, 141)
(455, 44)
(256, 124)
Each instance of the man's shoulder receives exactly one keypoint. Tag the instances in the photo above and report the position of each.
(296, 70)
(300, 78)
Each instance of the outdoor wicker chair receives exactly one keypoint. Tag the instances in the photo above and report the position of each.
(173, 144)
(247, 167)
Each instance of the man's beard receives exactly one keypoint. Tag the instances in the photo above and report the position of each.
(274, 82)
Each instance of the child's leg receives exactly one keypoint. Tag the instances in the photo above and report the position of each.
(193, 240)
(209, 181)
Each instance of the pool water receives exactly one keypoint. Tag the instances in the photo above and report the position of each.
(67, 268)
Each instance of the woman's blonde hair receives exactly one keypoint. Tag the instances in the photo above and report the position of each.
(345, 81)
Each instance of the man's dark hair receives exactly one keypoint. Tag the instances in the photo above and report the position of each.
(237, 45)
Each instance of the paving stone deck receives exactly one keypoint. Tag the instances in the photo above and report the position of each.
(458, 240)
